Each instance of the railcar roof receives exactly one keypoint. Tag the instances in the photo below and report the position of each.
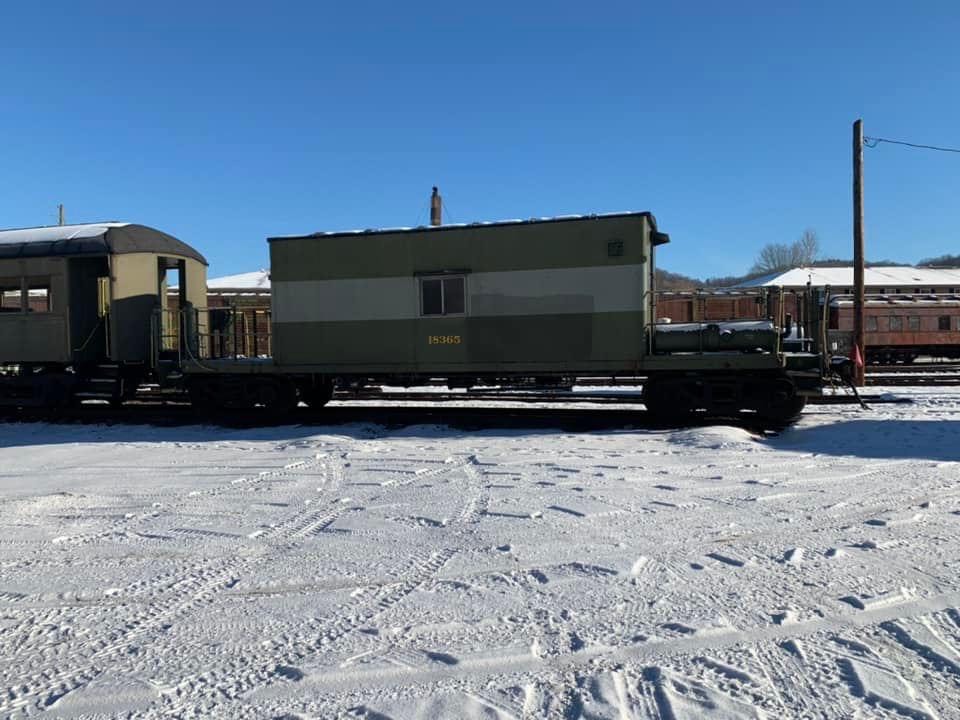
(104, 238)
(460, 226)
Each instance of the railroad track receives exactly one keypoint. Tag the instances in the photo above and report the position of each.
(919, 374)
(914, 369)
(918, 380)
(394, 413)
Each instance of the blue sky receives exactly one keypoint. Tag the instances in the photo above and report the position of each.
(225, 123)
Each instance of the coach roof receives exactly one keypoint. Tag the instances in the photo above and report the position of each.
(658, 239)
(105, 238)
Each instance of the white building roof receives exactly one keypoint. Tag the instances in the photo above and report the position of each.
(256, 280)
(248, 283)
(881, 277)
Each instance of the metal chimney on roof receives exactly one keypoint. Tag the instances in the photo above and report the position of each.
(436, 208)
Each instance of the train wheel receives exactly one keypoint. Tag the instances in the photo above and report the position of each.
(55, 390)
(786, 412)
(783, 405)
(663, 402)
(276, 395)
(204, 397)
(317, 395)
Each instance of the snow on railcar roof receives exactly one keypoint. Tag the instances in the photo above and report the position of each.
(452, 226)
(57, 233)
(103, 238)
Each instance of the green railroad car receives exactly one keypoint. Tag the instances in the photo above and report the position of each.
(491, 303)
(76, 307)
(536, 297)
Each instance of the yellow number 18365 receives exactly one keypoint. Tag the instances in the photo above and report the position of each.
(443, 340)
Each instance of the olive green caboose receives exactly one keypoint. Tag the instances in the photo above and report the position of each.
(550, 296)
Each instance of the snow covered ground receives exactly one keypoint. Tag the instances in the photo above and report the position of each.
(355, 571)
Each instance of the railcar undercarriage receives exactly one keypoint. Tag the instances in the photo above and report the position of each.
(674, 396)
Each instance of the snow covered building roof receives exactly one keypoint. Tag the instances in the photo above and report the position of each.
(893, 279)
(104, 238)
(249, 281)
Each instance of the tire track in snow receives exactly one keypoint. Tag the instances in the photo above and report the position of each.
(128, 520)
(245, 673)
(798, 677)
(647, 652)
(181, 593)
(169, 583)
(40, 687)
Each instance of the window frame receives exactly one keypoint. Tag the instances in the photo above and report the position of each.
(9, 284)
(38, 282)
(871, 320)
(896, 323)
(442, 278)
(913, 323)
(941, 323)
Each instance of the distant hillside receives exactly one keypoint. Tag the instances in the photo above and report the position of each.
(667, 280)
(942, 261)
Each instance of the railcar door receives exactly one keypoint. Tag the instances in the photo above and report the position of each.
(89, 305)
(440, 341)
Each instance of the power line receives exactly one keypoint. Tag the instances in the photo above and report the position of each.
(872, 142)
(422, 214)
(445, 209)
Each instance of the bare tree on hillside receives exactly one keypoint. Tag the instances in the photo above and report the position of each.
(780, 256)
(808, 247)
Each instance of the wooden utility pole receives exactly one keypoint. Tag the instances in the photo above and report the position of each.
(60, 208)
(436, 208)
(858, 260)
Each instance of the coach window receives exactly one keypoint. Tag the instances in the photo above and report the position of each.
(896, 323)
(39, 297)
(871, 323)
(443, 296)
(11, 295)
(943, 322)
(914, 322)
